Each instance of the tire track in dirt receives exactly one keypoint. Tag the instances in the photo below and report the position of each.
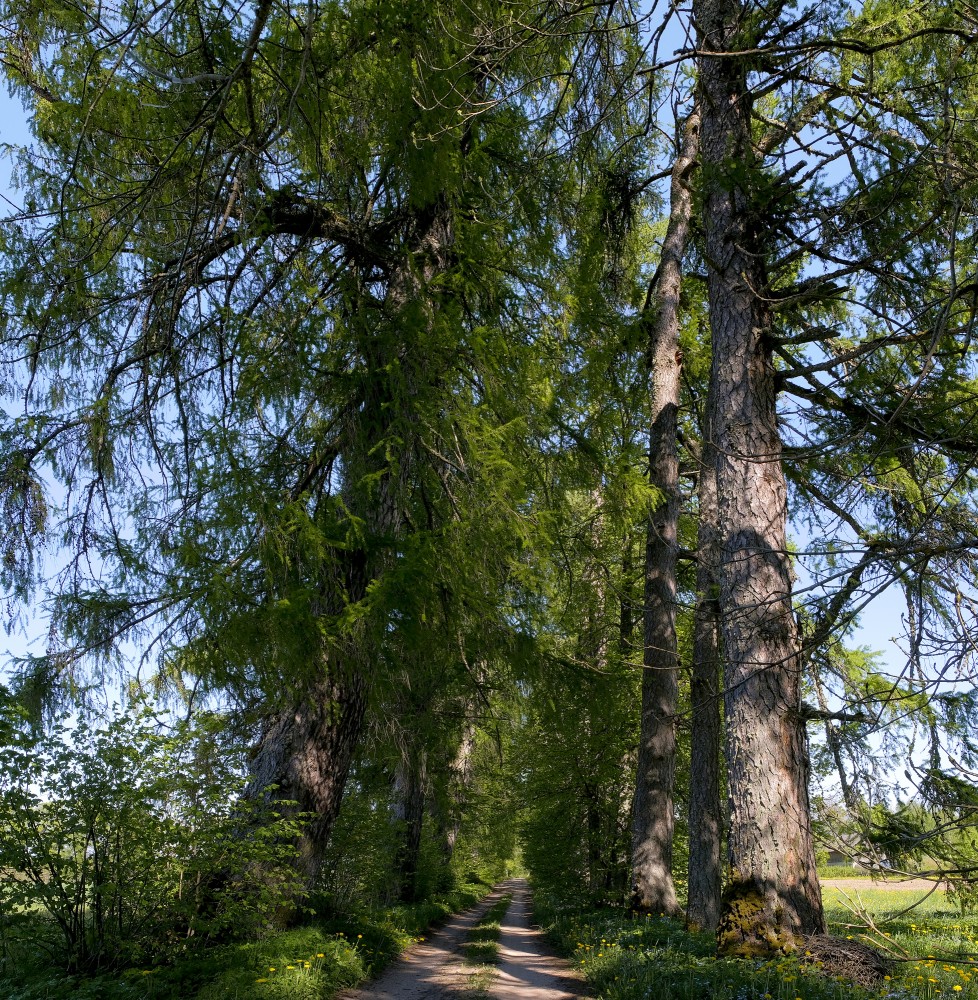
(436, 969)
(528, 969)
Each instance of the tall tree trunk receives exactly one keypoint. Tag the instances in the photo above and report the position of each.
(774, 897)
(409, 797)
(459, 783)
(705, 809)
(652, 817)
(306, 752)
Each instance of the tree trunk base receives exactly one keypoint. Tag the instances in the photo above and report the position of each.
(754, 926)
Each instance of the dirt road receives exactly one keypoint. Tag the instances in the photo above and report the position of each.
(908, 885)
(436, 970)
(528, 970)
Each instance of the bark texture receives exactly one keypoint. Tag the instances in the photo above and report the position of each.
(410, 782)
(460, 776)
(705, 810)
(306, 752)
(774, 899)
(653, 889)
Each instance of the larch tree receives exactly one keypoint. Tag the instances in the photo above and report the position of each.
(258, 307)
(653, 887)
(774, 896)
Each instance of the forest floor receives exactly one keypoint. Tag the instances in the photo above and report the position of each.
(436, 969)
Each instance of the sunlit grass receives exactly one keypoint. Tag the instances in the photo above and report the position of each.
(481, 948)
(482, 944)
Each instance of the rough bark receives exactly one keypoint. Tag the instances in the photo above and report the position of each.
(653, 889)
(705, 809)
(410, 782)
(306, 752)
(459, 784)
(774, 899)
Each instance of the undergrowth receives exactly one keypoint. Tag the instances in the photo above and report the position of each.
(624, 957)
(312, 962)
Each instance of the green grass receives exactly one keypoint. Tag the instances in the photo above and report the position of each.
(312, 962)
(654, 958)
(482, 944)
(481, 948)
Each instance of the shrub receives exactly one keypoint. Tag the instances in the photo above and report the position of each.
(133, 841)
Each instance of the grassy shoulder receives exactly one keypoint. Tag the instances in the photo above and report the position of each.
(312, 962)
(654, 958)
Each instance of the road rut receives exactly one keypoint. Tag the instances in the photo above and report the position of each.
(436, 969)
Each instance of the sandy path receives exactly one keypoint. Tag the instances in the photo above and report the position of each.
(432, 970)
(850, 884)
(436, 970)
(528, 970)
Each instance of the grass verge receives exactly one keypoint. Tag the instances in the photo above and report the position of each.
(481, 948)
(654, 958)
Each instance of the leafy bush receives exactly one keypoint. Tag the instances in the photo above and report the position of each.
(134, 842)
